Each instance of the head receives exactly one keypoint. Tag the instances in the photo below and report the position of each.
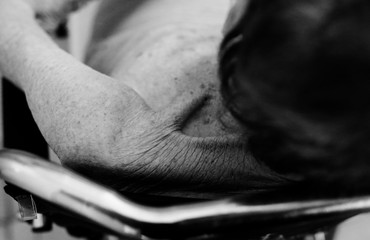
(297, 74)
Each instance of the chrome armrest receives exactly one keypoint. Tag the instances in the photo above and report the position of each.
(122, 217)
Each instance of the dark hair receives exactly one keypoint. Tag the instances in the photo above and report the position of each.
(297, 74)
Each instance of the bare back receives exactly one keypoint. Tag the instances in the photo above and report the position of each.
(165, 51)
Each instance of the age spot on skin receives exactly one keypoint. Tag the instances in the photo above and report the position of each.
(206, 121)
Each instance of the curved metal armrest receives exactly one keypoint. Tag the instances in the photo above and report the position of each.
(122, 217)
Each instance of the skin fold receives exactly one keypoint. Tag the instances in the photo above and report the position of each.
(143, 113)
(146, 116)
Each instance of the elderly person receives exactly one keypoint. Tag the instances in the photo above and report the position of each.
(144, 114)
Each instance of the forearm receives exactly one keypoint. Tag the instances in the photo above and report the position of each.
(21, 44)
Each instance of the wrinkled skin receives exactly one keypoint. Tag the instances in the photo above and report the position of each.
(150, 118)
(169, 65)
(142, 123)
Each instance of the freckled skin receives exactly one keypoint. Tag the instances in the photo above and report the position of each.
(173, 60)
(149, 118)
(168, 61)
(102, 128)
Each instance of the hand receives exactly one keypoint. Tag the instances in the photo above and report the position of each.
(49, 13)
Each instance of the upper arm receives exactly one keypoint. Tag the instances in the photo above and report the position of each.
(78, 110)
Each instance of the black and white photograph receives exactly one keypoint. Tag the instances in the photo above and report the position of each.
(185, 119)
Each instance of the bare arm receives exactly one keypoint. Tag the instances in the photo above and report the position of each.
(72, 104)
(106, 131)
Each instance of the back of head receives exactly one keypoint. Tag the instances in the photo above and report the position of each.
(297, 74)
